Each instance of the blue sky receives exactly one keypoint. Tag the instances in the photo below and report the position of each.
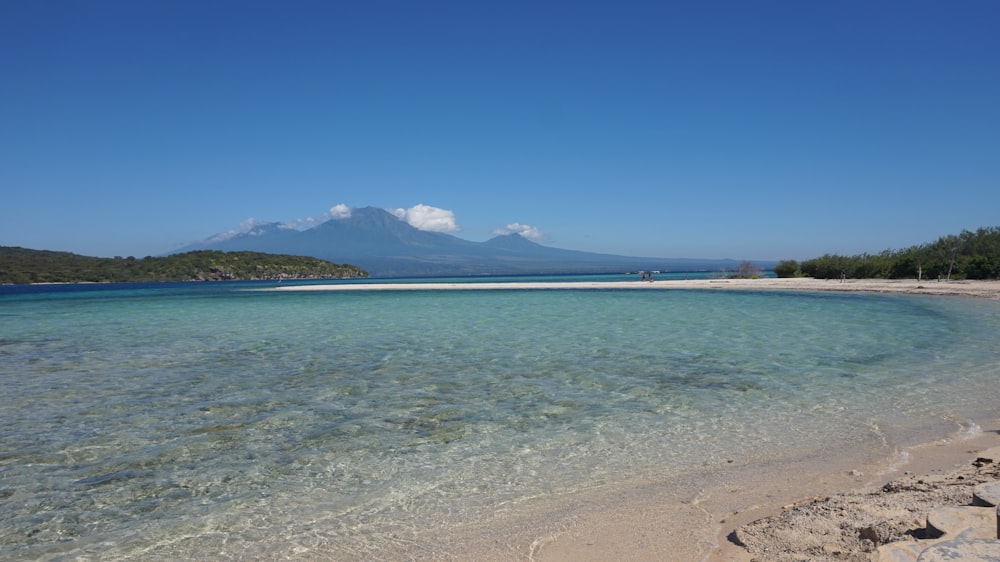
(712, 129)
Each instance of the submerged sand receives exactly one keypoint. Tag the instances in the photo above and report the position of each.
(796, 510)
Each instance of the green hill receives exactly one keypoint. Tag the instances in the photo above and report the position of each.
(21, 265)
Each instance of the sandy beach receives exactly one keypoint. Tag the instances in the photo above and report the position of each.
(799, 515)
(792, 511)
(801, 510)
(982, 289)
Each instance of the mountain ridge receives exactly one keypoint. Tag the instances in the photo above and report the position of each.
(387, 246)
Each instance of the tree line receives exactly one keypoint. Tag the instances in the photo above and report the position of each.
(23, 266)
(969, 255)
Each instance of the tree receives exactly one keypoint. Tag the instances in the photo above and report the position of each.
(21, 265)
(747, 270)
(787, 268)
(970, 255)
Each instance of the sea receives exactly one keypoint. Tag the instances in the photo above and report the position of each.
(231, 421)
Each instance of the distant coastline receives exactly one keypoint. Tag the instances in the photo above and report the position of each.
(22, 266)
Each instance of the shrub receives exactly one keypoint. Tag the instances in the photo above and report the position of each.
(787, 268)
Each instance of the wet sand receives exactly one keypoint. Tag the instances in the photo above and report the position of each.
(696, 517)
(699, 516)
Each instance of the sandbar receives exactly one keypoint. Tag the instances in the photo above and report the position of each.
(982, 289)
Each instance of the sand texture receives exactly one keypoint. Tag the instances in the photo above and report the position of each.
(983, 289)
(851, 526)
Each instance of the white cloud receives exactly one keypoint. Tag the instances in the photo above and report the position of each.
(339, 211)
(250, 226)
(525, 230)
(302, 224)
(425, 217)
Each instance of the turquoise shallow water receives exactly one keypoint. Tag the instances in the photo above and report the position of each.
(171, 421)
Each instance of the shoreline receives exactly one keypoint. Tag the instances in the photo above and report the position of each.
(971, 288)
(781, 517)
(781, 510)
(700, 516)
(829, 523)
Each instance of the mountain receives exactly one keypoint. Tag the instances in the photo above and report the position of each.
(387, 246)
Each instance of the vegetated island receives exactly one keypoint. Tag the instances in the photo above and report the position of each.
(969, 255)
(25, 266)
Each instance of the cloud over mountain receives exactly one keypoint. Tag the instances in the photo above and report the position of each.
(340, 211)
(249, 227)
(526, 231)
(429, 219)
(415, 242)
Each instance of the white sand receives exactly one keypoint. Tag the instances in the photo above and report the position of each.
(671, 522)
(984, 289)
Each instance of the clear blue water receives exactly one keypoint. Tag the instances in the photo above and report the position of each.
(180, 421)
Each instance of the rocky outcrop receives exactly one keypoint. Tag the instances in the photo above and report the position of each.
(968, 532)
(899, 522)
